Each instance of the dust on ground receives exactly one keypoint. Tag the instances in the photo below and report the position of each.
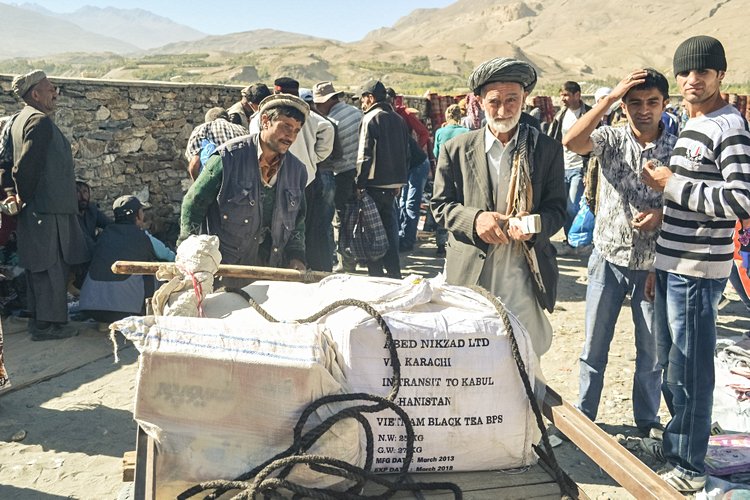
(79, 424)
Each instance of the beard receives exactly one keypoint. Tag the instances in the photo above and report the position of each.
(503, 126)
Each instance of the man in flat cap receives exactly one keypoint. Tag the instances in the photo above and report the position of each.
(313, 145)
(251, 192)
(487, 176)
(243, 110)
(382, 165)
(706, 189)
(50, 239)
(315, 141)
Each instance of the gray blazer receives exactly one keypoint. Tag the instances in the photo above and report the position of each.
(462, 190)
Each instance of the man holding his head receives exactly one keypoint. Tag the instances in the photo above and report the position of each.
(50, 239)
(627, 224)
(485, 177)
(251, 192)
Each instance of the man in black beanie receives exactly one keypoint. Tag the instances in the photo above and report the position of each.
(706, 189)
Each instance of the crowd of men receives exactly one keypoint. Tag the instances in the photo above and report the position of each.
(273, 172)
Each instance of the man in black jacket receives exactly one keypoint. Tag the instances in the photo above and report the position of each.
(50, 239)
(382, 164)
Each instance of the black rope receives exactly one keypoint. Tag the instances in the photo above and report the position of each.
(567, 486)
(302, 442)
(283, 463)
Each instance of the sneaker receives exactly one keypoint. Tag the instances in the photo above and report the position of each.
(653, 447)
(653, 431)
(681, 481)
(53, 332)
(440, 253)
(723, 302)
(345, 267)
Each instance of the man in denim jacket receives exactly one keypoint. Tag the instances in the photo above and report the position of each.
(251, 192)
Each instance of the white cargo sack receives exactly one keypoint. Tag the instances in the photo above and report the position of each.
(191, 279)
(459, 382)
(221, 397)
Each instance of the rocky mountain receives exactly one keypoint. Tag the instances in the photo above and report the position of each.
(30, 33)
(592, 41)
(136, 26)
(581, 39)
(246, 41)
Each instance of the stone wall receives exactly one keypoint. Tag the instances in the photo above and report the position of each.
(130, 137)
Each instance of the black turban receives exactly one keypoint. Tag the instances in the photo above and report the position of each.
(502, 69)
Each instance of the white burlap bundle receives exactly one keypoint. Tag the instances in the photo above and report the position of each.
(190, 280)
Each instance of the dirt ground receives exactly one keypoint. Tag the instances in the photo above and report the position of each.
(78, 425)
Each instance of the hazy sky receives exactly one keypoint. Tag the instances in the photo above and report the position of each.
(345, 20)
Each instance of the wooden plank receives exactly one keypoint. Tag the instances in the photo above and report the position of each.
(29, 362)
(228, 270)
(605, 451)
(144, 487)
(128, 466)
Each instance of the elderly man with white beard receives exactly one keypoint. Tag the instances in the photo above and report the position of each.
(488, 177)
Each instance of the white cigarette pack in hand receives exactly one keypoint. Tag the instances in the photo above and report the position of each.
(528, 224)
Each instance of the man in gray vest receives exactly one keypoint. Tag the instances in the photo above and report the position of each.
(251, 193)
(50, 239)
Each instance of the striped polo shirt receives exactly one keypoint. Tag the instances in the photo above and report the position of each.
(709, 191)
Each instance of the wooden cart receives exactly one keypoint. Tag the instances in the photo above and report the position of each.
(536, 482)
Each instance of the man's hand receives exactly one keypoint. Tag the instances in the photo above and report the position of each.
(12, 204)
(650, 287)
(633, 79)
(297, 265)
(516, 233)
(648, 220)
(490, 227)
(654, 176)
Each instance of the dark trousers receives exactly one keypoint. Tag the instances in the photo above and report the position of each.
(385, 201)
(47, 293)
(319, 196)
(344, 194)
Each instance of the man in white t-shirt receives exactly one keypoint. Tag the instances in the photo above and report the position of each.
(573, 108)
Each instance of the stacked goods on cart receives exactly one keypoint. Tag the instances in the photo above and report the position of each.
(221, 394)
